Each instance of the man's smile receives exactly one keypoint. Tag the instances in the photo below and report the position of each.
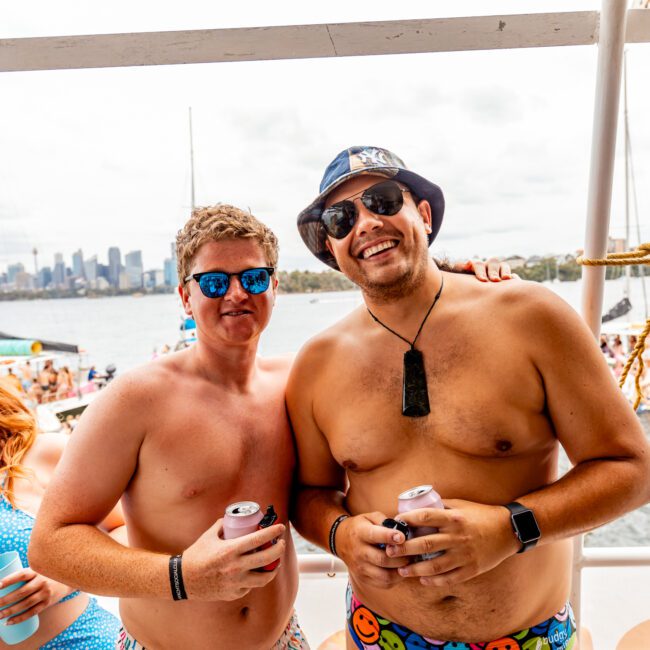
(375, 249)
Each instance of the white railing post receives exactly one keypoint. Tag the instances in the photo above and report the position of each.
(611, 40)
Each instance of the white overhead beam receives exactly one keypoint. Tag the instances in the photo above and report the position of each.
(310, 41)
(638, 26)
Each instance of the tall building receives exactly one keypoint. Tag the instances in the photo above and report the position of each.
(78, 264)
(134, 268)
(170, 263)
(13, 270)
(44, 277)
(90, 269)
(58, 274)
(171, 276)
(114, 266)
(24, 281)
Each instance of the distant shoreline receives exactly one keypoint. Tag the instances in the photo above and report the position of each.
(91, 295)
(308, 282)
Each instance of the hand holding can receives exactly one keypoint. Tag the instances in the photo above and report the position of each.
(245, 517)
(422, 496)
(398, 525)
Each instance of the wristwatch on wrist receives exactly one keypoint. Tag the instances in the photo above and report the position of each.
(524, 525)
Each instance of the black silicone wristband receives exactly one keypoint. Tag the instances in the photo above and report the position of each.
(335, 525)
(176, 577)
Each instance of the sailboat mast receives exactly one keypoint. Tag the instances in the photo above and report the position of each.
(627, 175)
(192, 162)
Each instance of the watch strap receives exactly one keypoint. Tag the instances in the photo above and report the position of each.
(515, 509)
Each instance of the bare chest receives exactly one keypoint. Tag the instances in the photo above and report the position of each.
(485, 402)
(214, 451)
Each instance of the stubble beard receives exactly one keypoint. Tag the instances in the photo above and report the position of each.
(396, 287)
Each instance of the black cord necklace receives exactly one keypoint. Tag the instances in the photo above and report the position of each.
(415, 394)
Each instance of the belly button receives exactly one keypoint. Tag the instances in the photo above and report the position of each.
(244, 612)
(504, 445)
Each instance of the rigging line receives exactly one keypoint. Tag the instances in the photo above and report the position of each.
(638, 228)
(192, 162)
(629, 162)
(627, 177)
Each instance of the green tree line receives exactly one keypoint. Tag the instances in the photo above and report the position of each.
(312, 281)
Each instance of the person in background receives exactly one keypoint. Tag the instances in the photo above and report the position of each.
(68, 619)
(618, 351)
(604, 346)
(10, 380)
(44, 380)
(65, 383)
(92, 373)
(35, 393)
(27, 375)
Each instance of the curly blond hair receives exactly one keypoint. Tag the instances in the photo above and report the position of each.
(18, 432)
(216, 223)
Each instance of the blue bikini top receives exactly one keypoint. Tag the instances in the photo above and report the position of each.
(15, 531)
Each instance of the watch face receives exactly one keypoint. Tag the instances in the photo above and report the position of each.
(526, 526)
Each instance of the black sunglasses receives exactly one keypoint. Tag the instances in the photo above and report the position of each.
(214, 284)
(385, 199)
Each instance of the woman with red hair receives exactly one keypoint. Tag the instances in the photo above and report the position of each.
(67, 618)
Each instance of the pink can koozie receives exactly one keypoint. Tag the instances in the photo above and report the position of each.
(246, 517)
(241, 518)
(422, 496)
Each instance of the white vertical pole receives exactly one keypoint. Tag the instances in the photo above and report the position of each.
(611, 40)
(608, 83)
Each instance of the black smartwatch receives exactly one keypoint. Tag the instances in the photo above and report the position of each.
(524, 524)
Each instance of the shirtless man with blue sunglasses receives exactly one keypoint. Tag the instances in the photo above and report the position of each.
(182, 438)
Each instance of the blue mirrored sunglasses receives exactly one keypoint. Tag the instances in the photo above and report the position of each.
(214, 284)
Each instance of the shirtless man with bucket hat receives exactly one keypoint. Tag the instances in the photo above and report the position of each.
(470, 388)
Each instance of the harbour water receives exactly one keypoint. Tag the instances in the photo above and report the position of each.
(126, 330)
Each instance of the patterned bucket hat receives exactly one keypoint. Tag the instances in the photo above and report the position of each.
(364, 160)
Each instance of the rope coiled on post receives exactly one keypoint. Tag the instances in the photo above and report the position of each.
(640, 255)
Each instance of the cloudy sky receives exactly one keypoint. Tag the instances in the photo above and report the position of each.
(96, 158)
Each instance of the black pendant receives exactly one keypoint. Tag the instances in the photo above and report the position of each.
(415, 395)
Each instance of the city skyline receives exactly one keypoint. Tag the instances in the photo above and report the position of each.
(89, 272)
